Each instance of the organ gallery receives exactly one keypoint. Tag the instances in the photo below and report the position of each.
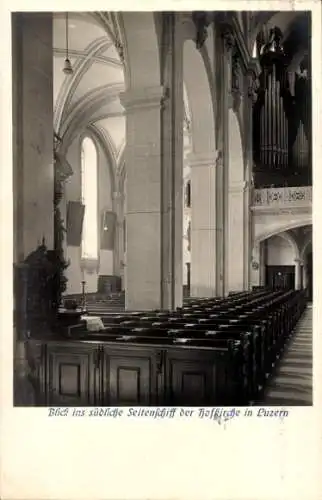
(162, 210)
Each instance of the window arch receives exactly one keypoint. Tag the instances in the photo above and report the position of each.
(188, 195)
(89, 183)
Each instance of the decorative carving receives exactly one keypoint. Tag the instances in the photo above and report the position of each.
(36, 290)
(255, 265)
(165, 97)
(236, 79)
(282, 196)
(62, 172)
(235, 72)
(228, 36)
(189, 236)
(219, 158)
(120, 49)
(201, 21)
(186, 120)
(274, 42)
(253, 86)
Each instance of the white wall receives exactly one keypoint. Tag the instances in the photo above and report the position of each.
(279, 252)
(186, 252)
(275, 220)
(74, 272)
(105, 203)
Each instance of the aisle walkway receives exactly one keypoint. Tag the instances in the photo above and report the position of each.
(292, 383)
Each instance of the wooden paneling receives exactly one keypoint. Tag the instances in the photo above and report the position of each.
(71, 375)
(190, 378)
(280, 277)
(129, 377)
(75, 374)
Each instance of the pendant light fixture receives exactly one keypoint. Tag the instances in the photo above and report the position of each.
(68, 70)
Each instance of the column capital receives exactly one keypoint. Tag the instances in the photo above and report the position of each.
(237, 187)
(202, 160)
(142, 98)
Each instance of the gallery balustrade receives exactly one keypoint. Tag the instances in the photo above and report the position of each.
(286, 196)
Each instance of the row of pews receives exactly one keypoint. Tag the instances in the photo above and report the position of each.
(210, 351)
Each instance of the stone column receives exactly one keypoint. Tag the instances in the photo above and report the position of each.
(304, 276)
(255, 266)
(118, 254)
(224, 44)
(33, 131)
(251, 82)
(262, 262)
(298, 263)
(143, 198)
(236, 236)
(247, 234)
(153, 197)
(172, 160)
(203, 226)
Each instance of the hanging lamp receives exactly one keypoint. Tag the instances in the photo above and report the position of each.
(68, 70)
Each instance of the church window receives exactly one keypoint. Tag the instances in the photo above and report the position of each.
(188, 195)
(89, 199)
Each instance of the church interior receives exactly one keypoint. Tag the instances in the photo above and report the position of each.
(162, 179)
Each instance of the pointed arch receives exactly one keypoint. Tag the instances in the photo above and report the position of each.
(291, 241)
(89, 191)
(141, 49)
(110, 160)
(200, 100)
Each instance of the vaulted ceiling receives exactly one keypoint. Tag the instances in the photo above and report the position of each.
(89, 97)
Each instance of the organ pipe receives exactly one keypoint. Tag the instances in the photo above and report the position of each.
(272, 119)
(269, 120)
(280, 140)
(283, 134)
(278, 126)
(275, 118)
(302, 147)
(285, 139)
(262, 136)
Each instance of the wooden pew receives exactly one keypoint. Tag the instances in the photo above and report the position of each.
(216, 353)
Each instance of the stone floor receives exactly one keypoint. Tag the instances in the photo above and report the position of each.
(292, 384)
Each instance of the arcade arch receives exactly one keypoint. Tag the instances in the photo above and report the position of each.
(201, 233)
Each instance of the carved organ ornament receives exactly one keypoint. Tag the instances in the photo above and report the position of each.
(201, 20)
(236, 77)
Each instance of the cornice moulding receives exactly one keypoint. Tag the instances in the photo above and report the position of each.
(148, 97)
(195, 160)
(237, 187)
(282, 210)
